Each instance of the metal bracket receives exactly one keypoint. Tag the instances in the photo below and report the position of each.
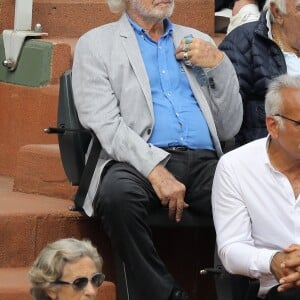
(14, 39)
(13, 44)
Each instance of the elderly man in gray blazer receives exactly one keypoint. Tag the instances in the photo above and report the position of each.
(159, 97)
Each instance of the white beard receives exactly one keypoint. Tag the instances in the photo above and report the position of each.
(153, 12)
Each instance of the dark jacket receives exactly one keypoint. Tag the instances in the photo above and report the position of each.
(257, 60)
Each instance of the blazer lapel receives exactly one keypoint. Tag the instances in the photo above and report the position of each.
(131, 47)
(196, 86)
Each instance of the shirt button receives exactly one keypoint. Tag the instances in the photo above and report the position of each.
(163, 71)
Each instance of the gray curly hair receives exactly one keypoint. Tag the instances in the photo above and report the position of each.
(48, 266)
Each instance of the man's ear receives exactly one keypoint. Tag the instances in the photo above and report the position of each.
(276, 13)
(272, 126)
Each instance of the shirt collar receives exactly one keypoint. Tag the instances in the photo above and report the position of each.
(138, 29)
(269, 25)
(267, 158)
(266, 147)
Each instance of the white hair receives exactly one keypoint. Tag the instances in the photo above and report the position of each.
(274, 99)
(116, 6)
(280, 4)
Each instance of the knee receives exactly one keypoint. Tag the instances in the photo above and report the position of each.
(113, 194)
(120, 196)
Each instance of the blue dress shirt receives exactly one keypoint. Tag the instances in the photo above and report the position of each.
(179, 120)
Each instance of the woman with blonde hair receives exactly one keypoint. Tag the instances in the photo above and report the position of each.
(68, 269)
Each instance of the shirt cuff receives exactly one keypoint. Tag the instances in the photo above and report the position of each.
(264, 260)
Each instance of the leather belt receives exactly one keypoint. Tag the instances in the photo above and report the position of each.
(176, 148)
(199, 152)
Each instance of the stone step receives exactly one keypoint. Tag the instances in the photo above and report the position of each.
(71, 18)
(28, 104)
(14, 285)
(39, 171)
(28, 222)
(25, 111)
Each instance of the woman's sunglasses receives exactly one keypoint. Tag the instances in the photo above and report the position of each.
(81, 282)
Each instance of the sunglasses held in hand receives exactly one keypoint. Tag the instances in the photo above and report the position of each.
(81, 282)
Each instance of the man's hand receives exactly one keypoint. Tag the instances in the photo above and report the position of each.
(276, 268)
(199, 53)
(291, 266)
(169, 190)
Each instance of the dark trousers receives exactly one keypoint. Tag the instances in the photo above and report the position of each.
(290, 294)
(123, 204)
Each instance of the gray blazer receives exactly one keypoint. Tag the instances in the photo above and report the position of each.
(113, 97)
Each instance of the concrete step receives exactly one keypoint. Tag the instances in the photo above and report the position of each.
(27, 107)
(6, 183)
(14, 285)
(71, 18)
(39, 171)
(25, 111)
(28, 222)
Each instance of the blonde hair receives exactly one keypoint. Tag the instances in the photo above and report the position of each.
(48, 266)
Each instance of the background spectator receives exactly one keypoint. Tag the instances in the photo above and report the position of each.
(259, 52)
(237, 13)
(244, 11)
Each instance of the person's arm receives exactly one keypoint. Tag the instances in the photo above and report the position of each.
(223, 95)
(226, 102)
(239, 53)
(233, 227)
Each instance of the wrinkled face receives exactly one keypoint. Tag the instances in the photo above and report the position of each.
(83, 267)
(150, 9)
(289, 136)
(291, 23)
